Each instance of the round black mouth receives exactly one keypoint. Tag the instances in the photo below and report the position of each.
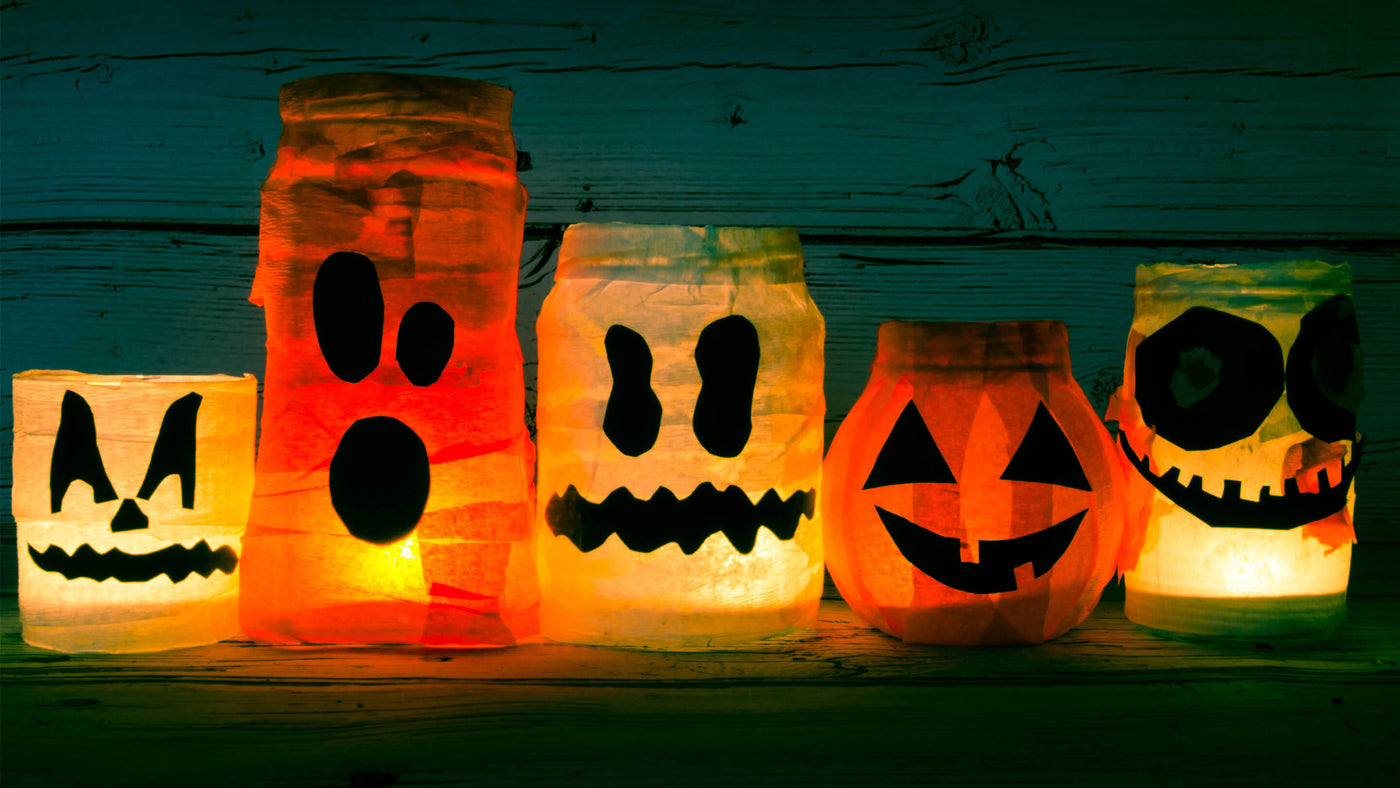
(940, 557)
(645, 525)
(1271, 512)
(176, 562)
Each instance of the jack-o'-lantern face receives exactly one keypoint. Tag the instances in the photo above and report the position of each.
(1044, 457)
(727, 357)
(969, 496)
(77, 458)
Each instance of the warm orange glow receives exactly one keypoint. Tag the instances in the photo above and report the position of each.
(388, 258)
(679, 363)
(969, 495)
(130, 496)
(1255, 407)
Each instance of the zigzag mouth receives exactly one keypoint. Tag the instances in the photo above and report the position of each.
(1274, 512)
(940, 557)
(645, 525)
(176, 562)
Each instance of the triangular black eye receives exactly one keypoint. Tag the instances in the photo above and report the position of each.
(75, 455)
(1046, 456)
(910, 455)
(173, 454)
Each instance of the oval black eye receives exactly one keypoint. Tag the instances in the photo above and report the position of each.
(633, 417)
(1324, 371)
(1208, 378)
(348, 309)
(727, 357)
(425, 343)
(379, 479)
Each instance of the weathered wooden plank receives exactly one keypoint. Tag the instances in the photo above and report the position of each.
(1197, 117)
(844, 706)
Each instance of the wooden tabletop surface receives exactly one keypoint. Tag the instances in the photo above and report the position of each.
(841, 704)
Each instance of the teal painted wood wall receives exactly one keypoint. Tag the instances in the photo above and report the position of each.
(973, 160)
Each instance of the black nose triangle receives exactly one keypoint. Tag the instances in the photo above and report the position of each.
(129, 517)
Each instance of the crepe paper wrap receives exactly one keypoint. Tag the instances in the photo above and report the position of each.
(130, 495)
(394, 500)
(1238, 418)
(970, 495)
(680, 429)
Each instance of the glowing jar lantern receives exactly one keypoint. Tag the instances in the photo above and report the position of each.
(680, 429)
(970, 495)
(1238, 417)
(394, 499)
(130, 495)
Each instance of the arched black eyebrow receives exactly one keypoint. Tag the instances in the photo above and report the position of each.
(75, 454)
(174, 452)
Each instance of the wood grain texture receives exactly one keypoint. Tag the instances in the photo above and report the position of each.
(839, 705)
(1196, 117)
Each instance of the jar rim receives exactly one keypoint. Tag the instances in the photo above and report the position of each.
(677, 254)
(375, 94)
(973, 345)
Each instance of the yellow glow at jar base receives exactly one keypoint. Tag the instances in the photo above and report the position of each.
(712, 597)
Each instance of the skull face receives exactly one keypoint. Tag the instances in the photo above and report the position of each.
(680, 430)
(144, 494)
(1238, 414)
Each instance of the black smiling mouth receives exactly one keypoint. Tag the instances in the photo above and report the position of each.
(176, 561)
(940, 557)
(1274, 512)
(645, 525)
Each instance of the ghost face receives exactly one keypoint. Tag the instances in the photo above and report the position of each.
(145, 486)
(680, 428)
(1238, 416)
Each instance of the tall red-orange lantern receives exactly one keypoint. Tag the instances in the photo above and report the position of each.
(970, 495)
(394, 499)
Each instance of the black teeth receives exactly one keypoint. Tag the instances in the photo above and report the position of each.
(1273, 512)
(645, 525)
(1232, 490)
(176, 562)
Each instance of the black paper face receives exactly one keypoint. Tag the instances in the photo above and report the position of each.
(379, 475)
(1209, 379)
(76, 457)
(727, 356)
(911, 456)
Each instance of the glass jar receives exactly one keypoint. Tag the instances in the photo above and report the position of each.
(680, 430)
(969, 495)
(130, 495)
(1238, 417)
(394, 495)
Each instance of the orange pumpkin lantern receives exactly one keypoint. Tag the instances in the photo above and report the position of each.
(1238, 416)
(130, 496)
(969, 494)
(394, 498)
(680, 429)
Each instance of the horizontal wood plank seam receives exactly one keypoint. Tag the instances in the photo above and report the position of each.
(870, 237)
